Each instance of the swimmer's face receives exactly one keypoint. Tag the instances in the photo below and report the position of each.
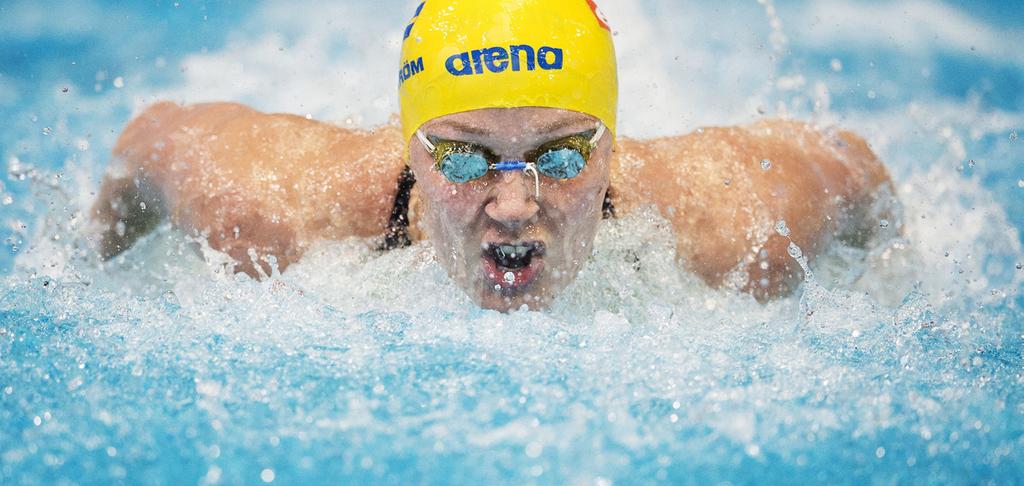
(499, 242)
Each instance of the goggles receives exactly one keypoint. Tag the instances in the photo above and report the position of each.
(461, 162)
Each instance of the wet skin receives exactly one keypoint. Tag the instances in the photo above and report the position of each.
(501, 208)
(270, 184)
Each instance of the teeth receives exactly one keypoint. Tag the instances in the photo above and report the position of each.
(513, 256)
(512, 251)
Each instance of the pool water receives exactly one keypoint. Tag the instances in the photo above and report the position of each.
(900, 364)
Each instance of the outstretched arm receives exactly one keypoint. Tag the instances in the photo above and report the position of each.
(726, 189)
(246, 181)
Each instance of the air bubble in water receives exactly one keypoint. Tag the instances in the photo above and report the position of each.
(8, 200)
(47, 130)
(766, 164)
(781, 228)
(510, 277)
(119, 82)
(883, 223)
(1020, 266)
(836, 65)
(1020, 183)
(1013, 136)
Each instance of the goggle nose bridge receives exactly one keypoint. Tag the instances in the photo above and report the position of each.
(526, 167)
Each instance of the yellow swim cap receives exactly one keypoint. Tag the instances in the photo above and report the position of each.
(462, 55)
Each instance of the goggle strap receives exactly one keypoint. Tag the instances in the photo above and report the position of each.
(532, 168)
(597, 135)
(426, 143)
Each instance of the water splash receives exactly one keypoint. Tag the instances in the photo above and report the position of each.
(893, 363)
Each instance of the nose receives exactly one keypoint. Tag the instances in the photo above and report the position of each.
(513, 203)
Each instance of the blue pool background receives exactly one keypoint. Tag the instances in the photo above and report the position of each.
(159, 370)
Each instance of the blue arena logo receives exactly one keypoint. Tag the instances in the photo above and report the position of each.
(410, 69)
(499, 59)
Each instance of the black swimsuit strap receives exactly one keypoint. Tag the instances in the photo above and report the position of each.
(608, 208)
(397, 233)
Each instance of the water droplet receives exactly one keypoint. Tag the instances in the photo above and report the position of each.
(766, 164)
(781, 228)
(794, 251)
(171, 299)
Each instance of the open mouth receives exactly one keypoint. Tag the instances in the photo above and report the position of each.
(512, 266)
(514, 256)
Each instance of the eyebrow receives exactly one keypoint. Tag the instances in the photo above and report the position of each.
(466, 128)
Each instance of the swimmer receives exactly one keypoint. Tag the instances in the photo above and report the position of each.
(505, 158)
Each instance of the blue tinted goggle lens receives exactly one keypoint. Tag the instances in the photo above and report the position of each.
(563, 163)
(460, 168)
